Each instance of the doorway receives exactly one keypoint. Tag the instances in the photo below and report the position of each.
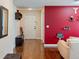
(31, 23)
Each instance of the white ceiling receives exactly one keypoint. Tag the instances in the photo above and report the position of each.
(41, 3)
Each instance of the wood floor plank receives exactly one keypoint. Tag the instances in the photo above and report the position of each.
(33, 49)
(52, 53)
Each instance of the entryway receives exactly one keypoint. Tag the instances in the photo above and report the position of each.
(31, 23)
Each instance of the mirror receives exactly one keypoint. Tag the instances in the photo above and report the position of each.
(3, 22)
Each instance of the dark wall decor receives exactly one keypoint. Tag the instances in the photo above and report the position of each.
(60, 35)
(71, 18)
(3, 21)
(18, 15)
(67, 28)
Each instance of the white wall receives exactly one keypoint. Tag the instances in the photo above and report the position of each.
(8, 43)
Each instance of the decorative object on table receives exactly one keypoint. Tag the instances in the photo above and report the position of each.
(18, 15)
(60, 35)
(12, 56)
(67, 28)
(21, 32)
(3, 21)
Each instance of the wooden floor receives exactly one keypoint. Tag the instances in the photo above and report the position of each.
(33, 49)
(52, 53)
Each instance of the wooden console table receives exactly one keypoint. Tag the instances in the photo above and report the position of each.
(33, 49)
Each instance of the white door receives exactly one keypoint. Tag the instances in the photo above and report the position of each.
(31, 22)
(30, 30)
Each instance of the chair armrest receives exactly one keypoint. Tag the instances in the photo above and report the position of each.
(63, 48)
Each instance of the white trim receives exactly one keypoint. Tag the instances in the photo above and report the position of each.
(50, 45)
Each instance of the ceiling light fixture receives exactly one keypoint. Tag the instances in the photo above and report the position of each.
(30, 9)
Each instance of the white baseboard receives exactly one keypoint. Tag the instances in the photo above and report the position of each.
(50, 45)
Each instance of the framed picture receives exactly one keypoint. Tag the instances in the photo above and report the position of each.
(3, 21)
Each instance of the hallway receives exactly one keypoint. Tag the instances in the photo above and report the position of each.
(34, 49)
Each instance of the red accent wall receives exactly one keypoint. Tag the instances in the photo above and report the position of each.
(57, 18)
